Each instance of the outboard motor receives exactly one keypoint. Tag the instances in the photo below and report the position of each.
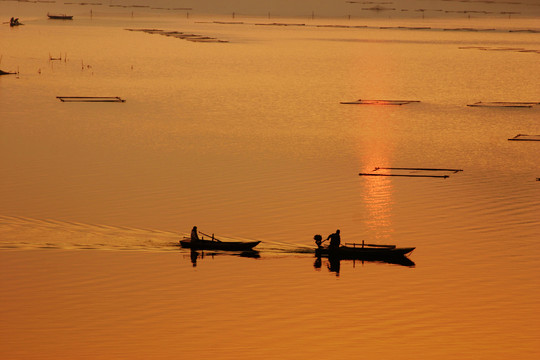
(318, 240)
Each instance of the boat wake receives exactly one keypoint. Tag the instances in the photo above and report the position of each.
(20, 233)
(28, 233)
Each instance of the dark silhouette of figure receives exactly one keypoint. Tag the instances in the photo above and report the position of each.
(318, 263)
(334, 264)
(335, 240)
(194, 256)
(194, 234)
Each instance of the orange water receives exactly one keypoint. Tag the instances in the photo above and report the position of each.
(248, 139)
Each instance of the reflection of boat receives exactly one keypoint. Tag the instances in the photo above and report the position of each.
(335, 262)
(195, 255)
(365, 252)
(60, 16)
(389, 254)
(218, 245)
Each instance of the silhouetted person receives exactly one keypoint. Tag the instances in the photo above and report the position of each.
(335, 240)
(194, 234)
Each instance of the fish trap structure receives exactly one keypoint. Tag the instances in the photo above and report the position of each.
(412, 172)
(524, 137)
(181, 35)
(504, 104)
(91, 99)
(379, 102)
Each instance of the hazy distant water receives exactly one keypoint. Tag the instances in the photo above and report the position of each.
(248, 139)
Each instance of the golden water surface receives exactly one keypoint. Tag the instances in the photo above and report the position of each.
(246, 138)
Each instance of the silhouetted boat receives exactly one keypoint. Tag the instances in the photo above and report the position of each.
(365, 252)
(60, 16)
(6, 73)
(219, 245)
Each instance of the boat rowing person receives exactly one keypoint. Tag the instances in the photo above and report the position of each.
(335, 240)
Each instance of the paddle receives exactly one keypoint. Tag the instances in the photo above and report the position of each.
(213, 238)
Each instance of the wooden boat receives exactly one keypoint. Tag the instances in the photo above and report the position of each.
(6, 73)
(60, 17)
(215, 244)
(364, 252)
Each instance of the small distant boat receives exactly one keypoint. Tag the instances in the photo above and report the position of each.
(6, 73)
(362, 251)
(215, 244)
(60, 16)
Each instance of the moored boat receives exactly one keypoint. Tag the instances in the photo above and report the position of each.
(218, 245)
(6, 73)
(60, 16)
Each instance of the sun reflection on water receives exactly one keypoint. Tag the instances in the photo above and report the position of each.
(377, 197)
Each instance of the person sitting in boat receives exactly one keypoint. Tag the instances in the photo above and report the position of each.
(335, 240)
(194, 234)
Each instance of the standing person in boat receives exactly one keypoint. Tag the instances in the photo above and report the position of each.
(335, 240)
(194, 235)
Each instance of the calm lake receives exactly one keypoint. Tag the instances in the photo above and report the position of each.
(245, 136)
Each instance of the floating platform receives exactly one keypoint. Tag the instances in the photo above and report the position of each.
(380, 102)
(515, 104)
(280, 24)
(488, 48)
(90, 99)
(412, 172)
(524, 137)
